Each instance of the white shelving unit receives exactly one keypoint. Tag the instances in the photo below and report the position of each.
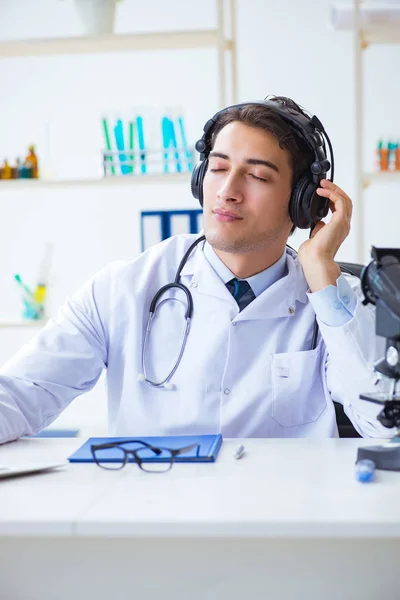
(211, 38)
(380, 177)
(381, 35)
(168, 40)
(109, 181)
(171, 40)
(9, 323)
(363, 38)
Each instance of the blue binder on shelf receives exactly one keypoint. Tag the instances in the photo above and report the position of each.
(208, 451)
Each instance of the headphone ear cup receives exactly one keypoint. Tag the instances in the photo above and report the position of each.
(196, 182)
(314, 207)
(298, 206)
(319, 206)
(306, 206)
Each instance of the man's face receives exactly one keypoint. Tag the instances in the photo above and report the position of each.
(246, 190)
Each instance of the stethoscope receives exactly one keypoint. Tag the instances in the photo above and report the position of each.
(165, 383)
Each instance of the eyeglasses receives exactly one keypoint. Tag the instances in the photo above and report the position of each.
(114, 455)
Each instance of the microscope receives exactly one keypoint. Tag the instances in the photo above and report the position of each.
(380, 283)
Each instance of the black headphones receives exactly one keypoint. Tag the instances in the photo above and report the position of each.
(305, 206)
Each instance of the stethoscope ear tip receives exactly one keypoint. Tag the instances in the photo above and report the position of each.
(141, 377)
(169, 386)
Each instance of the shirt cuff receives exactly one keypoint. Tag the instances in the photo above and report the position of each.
(334, 305)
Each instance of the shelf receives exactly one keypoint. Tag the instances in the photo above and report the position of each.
(23, 322)
(37, 184)
(381, 35)
(376, 24)
(173, 40)
(381, 177)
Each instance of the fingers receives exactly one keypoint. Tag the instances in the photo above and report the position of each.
(339, 200)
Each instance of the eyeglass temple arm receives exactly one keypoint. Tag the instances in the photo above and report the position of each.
(120, 443)
(186, 449)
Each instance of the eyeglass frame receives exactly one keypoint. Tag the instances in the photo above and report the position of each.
(157, 450)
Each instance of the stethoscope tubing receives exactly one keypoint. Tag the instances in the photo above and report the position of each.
(155, 303)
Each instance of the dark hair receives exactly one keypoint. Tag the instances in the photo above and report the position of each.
(266, 118)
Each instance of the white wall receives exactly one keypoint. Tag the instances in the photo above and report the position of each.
(287, 48)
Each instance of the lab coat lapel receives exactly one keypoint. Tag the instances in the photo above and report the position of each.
(202, 277)
(279, 300)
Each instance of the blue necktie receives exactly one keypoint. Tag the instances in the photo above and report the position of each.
(241, 291)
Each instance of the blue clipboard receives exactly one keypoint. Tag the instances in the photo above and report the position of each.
(208, 451)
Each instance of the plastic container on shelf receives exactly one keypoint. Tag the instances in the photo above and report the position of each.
(397, 158)
(97, 16)
(146, 140)
(388, 156)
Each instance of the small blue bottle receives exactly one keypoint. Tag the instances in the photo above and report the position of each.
(365, 470)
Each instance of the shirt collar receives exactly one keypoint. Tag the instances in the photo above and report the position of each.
(259, 282)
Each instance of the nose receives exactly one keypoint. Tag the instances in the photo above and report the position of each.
(230, 190)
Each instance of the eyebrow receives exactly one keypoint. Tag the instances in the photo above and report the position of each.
(249, 161)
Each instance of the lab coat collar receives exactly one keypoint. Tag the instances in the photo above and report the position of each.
(278, 300)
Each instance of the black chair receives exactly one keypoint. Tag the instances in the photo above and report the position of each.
(352, 268)
(345, 426)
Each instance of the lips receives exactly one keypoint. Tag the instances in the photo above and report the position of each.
(226, 216)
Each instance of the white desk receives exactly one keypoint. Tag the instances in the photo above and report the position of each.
(288, 520)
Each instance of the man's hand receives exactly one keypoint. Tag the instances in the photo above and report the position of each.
(317, 254)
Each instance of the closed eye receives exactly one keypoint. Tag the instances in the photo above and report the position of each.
(219, 170)
(259, 178)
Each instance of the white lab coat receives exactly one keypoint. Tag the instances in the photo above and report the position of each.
(244, 374)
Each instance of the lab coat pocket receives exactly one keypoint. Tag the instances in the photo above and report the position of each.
(298, 392)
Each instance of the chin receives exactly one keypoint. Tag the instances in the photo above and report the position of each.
(227, 243)
(216, 238)
(239, 244)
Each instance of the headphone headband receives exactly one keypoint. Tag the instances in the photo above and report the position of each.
(305, 207)
(308, 129)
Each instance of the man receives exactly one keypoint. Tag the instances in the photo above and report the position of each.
(250, 364)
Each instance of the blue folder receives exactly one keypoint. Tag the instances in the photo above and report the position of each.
(208, 451)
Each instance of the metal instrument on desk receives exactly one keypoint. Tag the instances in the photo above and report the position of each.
(380, 282)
